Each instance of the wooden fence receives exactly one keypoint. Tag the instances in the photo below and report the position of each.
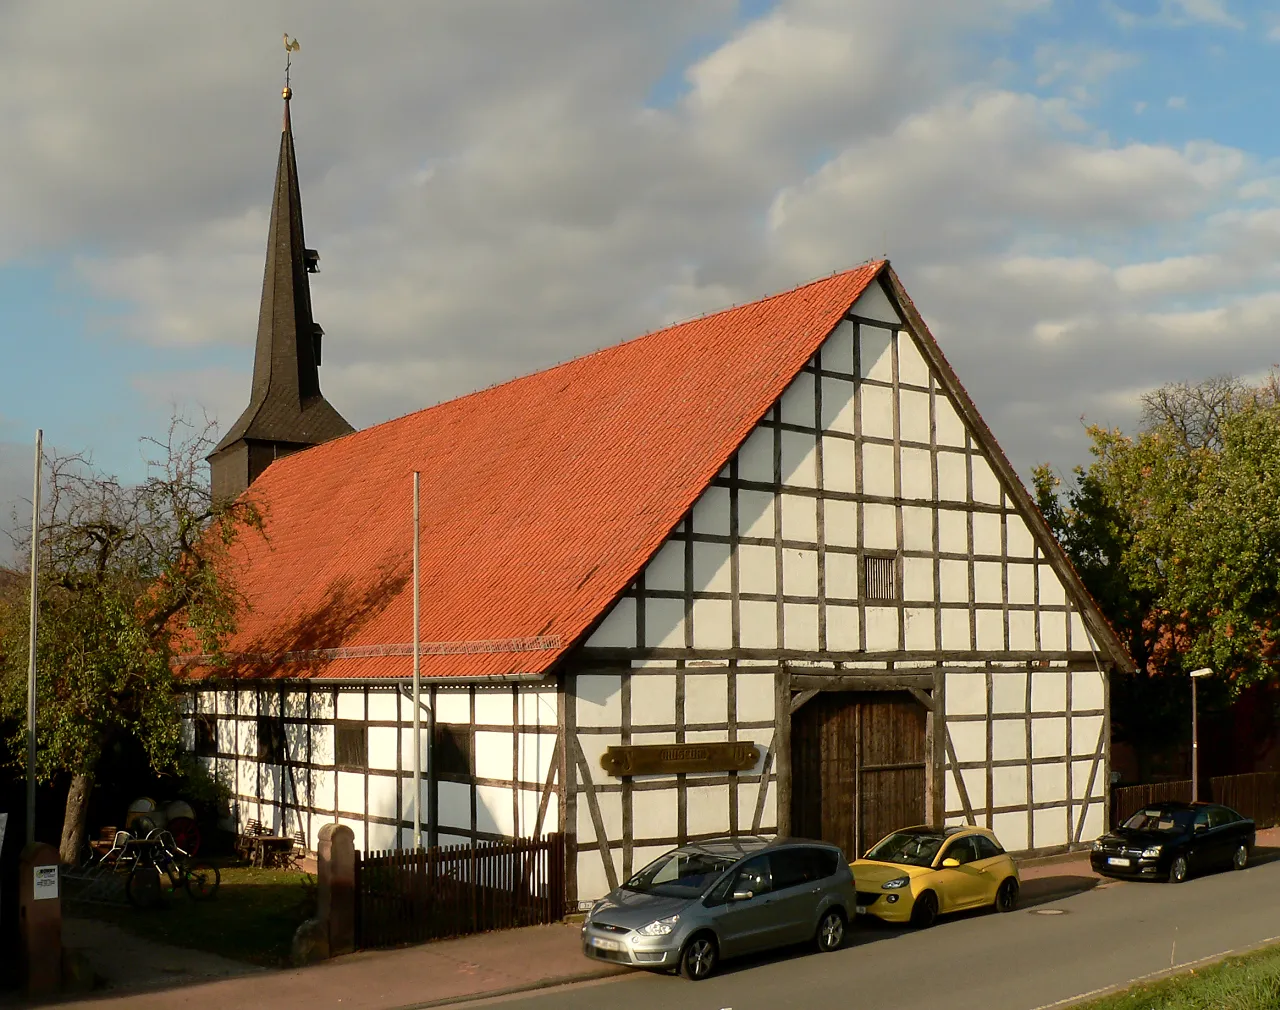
(1255, 795)
(429, 894)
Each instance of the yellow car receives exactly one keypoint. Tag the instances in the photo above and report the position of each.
(916, 874)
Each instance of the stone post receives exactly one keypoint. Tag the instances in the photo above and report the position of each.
(40, 918)
(336, 897)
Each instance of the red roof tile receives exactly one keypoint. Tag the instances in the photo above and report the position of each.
(542, 498)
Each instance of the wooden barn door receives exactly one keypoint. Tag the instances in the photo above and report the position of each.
(857, 767)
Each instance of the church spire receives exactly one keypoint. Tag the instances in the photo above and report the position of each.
(286, 410)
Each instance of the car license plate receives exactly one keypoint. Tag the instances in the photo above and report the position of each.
(860, 909)
(603, 944)
(1117, 861)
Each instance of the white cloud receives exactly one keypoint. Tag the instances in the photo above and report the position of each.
(1177, 102)
(1176, 14)
(486, 203)
(1079, 70)
(1205, 12)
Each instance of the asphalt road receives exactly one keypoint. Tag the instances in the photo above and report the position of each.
(1024, 960)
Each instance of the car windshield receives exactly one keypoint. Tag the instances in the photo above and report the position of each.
(907, 847)
(680, 874)
(1160, 820)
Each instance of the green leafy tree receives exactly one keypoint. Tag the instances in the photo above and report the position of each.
(129, 577)
(1175, 530)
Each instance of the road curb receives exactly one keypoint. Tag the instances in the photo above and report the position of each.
(1158, 976)
(546, 983)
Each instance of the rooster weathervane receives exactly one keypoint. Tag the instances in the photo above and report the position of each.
(290, 47)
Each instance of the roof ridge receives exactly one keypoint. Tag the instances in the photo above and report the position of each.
(609, 348)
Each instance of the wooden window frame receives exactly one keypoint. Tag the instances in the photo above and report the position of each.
(344, 743)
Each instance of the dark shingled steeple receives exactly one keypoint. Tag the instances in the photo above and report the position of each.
(286, 410)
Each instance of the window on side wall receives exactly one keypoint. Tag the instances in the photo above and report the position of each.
(454, 753)
(206, 727)
(271, 748)
(350, 745)
(880, 578)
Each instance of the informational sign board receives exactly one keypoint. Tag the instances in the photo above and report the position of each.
(657, 759)
(46, 882)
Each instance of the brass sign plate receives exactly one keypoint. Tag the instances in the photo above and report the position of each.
(669, 758)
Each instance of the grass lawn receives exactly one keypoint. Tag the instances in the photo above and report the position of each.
(252, 918)
(1249, 982)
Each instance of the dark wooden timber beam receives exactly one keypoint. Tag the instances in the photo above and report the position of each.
(865, 682)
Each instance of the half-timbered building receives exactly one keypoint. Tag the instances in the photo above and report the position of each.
(764, 571)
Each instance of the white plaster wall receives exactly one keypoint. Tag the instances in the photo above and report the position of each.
(1088, 690)
(1049, 828)
(969, 740)
(664, 623)
(838, 351)
(875, 304)
(618, 629)
(965, 692)
(876, 354)
(707, 809)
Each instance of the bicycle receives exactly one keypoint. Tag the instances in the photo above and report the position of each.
(161, 854)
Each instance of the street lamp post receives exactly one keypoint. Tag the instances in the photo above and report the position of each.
(1204, 671)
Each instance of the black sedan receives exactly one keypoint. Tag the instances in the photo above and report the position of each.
(1169, 840)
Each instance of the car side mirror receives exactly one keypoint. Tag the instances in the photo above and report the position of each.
(1201, 826)
(742, 896)
(951, 861)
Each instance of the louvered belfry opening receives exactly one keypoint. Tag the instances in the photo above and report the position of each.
(880, 577)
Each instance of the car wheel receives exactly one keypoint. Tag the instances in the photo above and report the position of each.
(1007, 895)
(1178, 870)
(1240, 858)
(698, 960)
(925, 912)
(831, 931)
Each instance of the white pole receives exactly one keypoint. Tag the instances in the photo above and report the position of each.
(417, 684)
(1195, 746)
(31, 659)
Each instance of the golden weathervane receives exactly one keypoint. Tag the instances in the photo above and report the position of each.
(290, 47)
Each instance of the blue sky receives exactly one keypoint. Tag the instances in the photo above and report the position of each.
(608, 169)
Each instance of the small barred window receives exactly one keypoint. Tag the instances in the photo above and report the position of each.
(881, 580)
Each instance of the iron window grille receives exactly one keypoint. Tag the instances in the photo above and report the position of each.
(880, 577)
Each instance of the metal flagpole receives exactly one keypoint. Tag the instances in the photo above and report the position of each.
(417, 683)
(31, 660)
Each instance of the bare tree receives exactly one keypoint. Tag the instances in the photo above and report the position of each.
(129, 575)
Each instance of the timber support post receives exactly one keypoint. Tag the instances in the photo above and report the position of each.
(782, 750)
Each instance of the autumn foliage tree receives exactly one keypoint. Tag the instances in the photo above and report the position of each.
(1176, 529)
(129, 576)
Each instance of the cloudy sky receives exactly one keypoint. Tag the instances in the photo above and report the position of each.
(1083, 198)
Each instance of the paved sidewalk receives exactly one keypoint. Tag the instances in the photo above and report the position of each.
(433, 973)
(450, 971)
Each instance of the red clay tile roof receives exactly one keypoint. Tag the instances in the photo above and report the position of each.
(541, 499)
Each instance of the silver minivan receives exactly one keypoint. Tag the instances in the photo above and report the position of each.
(717, 899)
